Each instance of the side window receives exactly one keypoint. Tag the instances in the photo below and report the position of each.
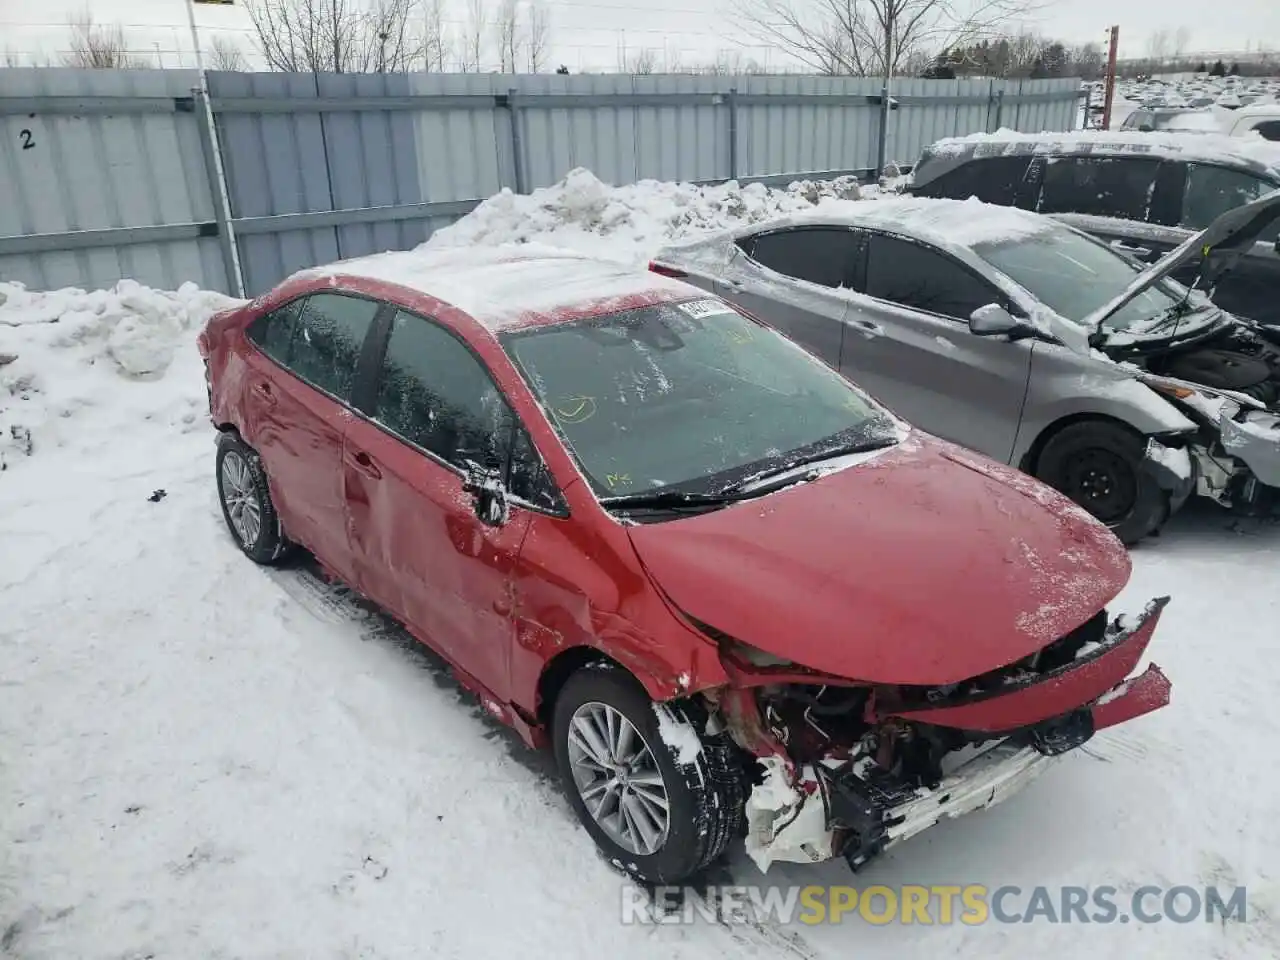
(273, 332)
(327, 341)
(435, 393)
(914, 276)
(816, 254)
(528, 477)
(991, 180)
(1103, 186)
(1212, 191)
(1268, 130)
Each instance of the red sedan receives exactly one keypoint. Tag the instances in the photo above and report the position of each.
(733, 593)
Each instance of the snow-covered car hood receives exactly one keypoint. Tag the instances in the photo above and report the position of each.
(926, 565)
(1221, 244)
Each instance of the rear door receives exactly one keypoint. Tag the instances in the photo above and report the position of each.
(299, 381)
(997, 180)
(419, 548)
(1109, 197)
(791, 279)
(925, 364)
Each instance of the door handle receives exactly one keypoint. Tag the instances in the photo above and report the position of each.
(868, 328)
(364, 463)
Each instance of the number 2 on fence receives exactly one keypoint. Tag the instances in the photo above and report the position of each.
(25, 137)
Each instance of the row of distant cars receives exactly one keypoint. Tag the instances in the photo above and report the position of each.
(753, 538)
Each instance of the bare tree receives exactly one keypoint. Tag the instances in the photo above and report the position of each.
(506, 33)
(1158, 46)
(471, 53)
(99, 46)
(641, 63)
(435, 38)
(1181, 40)
(339, 36)
(225, 54)
(10, 58)
(537, 36)
(873, 37)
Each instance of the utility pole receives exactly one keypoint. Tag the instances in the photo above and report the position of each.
(1111, 78)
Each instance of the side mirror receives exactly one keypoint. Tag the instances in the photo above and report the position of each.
(488, 495)
(1277, 246)
(994, 320)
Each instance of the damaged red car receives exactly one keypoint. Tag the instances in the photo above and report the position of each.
(734, 594)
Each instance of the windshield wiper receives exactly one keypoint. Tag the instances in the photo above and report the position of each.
(747, 489)
(827, 453)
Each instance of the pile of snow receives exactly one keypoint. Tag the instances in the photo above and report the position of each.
(629, 223)
(65, 351)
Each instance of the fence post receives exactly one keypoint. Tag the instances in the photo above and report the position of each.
(999, 109)
(517, 142)
(882, 149)
(733, 133)
(218, 188)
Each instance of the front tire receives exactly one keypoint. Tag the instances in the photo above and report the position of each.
(1099, 465)
(659, 816)
(246, 501)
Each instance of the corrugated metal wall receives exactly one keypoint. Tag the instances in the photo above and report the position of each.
(324, 167)
(65, 172)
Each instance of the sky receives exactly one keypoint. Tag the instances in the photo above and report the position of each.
(599, 35)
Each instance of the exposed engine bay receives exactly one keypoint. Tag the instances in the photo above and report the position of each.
(848, 769)
(1237, 359)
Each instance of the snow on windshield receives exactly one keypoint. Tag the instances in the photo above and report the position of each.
(688, 393)
(1074, 276)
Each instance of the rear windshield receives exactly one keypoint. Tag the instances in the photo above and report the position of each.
(691, 395)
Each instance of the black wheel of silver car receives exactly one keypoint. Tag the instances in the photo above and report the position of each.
(658, 815)
(246, 501)
(1099, 465)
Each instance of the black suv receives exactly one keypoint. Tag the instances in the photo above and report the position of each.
(1143, 193)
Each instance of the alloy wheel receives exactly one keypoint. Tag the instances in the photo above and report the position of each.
(618, 778)
(240, 497)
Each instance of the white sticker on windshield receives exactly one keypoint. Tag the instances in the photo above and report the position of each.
(704, 308)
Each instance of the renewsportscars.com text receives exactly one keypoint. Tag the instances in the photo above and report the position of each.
(971, 904)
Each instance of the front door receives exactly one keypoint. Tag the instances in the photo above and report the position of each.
(295, 414)
(420, 549)
(916, 353)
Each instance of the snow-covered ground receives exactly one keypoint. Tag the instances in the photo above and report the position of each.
(202, 758)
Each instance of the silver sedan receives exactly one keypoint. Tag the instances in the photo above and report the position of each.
(1026, 340)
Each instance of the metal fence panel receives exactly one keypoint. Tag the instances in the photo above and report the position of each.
(68, 172)
(322, 167)
(275, 164)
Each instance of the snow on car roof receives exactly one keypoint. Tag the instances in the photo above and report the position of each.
(962, 223)
(506, 286)
(1205, 147)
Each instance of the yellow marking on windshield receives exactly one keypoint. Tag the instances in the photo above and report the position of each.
(1205, 251)
(614, 479)
(575, 409)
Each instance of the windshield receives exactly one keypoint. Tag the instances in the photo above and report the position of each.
(691, 394)
(1074, 276)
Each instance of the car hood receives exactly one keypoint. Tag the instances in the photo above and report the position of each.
(1221, 244)
(926, 565)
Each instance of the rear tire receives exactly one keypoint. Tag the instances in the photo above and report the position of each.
(704, 796)
(246, 501)
(1099, 465)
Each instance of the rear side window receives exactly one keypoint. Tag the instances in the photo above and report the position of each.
(436, 394)
(1212, 191)
(991, 180)
(273, 332)
(1102, 186)
(1270, 130)
(818, 255)
(915, 276)
(327, 340)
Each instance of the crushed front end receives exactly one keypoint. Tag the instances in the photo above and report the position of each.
(849, 769)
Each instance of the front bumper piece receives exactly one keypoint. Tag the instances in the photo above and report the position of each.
(843, 810)
(1254, 439)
